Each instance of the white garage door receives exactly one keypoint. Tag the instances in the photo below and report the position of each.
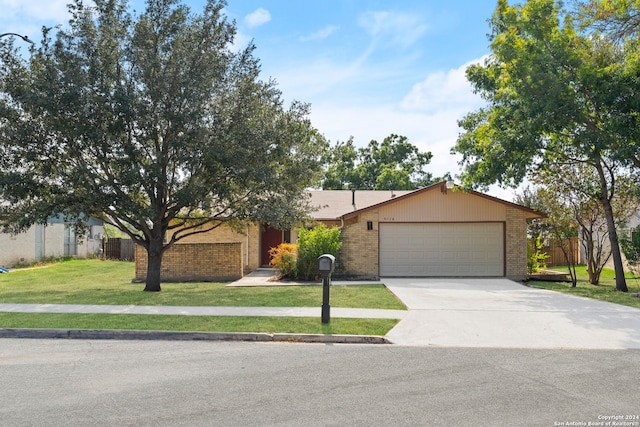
(453, 249)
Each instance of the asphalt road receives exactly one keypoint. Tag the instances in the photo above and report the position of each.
(175, 383)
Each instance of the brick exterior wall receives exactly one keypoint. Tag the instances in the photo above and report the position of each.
(359, 254)
(360, 247)
(195, 262)
(516, 244)
(225, 234)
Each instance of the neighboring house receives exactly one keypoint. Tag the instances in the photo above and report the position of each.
(55, 239)
(433, 231)
(632, 223)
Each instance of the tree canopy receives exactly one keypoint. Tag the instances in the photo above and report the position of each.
(394, 164)
(154, 122)
(555, 95)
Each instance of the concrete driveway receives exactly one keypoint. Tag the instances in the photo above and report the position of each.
(497, 312)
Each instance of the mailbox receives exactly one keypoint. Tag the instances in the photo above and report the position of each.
(326, 264)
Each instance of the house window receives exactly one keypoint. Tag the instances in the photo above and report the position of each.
(70, 244)
(286, 238)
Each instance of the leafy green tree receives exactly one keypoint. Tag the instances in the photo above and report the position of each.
(340, 161)
(153, 122)
(618, 19)
(554, 96)
(394, 164)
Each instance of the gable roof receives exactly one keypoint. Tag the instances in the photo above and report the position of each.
(334, 204)
(338, 204)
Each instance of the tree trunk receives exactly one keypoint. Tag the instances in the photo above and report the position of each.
(621, 282)
(570, 259)
(154, 263)
(587, 238)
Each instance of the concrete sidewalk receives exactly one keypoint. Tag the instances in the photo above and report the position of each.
(266, 277)
(350, 313)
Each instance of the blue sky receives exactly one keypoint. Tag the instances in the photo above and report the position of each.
(369, 68)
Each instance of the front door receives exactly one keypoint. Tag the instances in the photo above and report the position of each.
(271, 238)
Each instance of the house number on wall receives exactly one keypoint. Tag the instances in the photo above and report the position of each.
(389, 218)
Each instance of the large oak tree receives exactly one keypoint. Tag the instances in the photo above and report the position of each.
(153, 121)
(394, 164)
(555, 95)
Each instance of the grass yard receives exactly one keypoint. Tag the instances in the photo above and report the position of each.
(151, 322)
(96, 282)
(109, 283)
(605, 291)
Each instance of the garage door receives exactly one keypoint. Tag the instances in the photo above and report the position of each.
(453, 249)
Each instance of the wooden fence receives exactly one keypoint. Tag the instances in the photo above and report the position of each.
(119, 249)
(555, 254)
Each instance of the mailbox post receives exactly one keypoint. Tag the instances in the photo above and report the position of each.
(326, 265)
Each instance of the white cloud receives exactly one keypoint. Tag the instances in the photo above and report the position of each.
(241, 41)
(320, 34)
(50, 10)
(444, 90)
(428, 116)
(258, 17)
(28, 17)
(393, 28)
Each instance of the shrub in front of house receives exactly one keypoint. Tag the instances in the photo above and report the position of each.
(535, 255)
(284, 260)
(315, 242)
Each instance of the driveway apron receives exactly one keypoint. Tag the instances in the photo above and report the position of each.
(497, 312)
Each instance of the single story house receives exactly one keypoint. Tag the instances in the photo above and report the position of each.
(53, 239)
(434, 231)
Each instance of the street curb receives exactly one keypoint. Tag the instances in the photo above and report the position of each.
(90, 334)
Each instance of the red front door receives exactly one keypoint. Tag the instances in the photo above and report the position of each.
(270, 239)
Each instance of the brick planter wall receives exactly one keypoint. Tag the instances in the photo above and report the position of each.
(195, 262)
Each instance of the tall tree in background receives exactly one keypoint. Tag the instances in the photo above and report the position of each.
(394, 164)
(554, 96)
(618, 19)
(152, 122)
(581, 200)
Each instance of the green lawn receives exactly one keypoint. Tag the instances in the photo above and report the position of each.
(109, 283)
(151, 322)
(605, 291)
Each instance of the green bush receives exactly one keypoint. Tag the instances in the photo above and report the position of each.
(315, 242)
(535, 255)
(630, 245)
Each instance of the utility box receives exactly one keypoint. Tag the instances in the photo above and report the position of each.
(326, 265)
